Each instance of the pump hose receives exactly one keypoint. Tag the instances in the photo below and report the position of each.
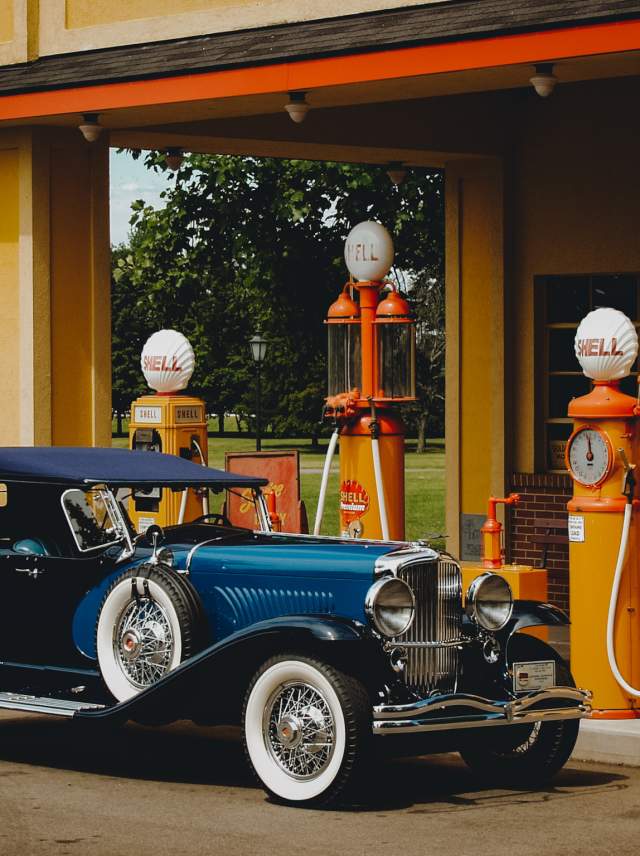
(325, 481)
(613, 603)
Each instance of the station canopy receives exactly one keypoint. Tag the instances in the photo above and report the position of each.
(75, 465)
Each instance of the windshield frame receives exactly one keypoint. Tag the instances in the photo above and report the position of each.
(121, 533)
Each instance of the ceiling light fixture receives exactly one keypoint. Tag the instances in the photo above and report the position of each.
(544, 80)
(90, 128)
(297, 106)
(175, 158)
(396, 172)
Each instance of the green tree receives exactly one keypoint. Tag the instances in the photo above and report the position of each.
(246, 243)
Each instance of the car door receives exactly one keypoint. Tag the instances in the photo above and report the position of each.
(40, 595)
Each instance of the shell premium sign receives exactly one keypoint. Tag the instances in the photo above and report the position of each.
(354, 502)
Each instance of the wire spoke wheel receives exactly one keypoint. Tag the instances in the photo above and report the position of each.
(306, 729)
(143, 642)
(149, 622)
(299, 730)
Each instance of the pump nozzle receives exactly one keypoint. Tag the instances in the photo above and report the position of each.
(629, 478)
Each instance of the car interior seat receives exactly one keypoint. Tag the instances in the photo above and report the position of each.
(34, 547)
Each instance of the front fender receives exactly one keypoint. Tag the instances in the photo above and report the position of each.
(212, 684)
(531, 613)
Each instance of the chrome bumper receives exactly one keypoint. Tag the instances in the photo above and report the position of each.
(450, 712)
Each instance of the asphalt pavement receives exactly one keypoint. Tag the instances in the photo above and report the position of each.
(186, 790)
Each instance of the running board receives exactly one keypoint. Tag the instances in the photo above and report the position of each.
(44, 704)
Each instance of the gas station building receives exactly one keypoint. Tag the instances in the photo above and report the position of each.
(541, 192)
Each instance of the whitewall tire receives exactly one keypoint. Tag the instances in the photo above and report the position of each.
(305, 728)
(146, 627)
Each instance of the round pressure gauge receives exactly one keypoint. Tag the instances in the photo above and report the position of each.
(589, 456)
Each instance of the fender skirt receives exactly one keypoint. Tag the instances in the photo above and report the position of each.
(222, 671)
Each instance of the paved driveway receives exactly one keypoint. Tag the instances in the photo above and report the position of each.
(182, 790)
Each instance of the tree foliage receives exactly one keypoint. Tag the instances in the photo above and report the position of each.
(244, 244)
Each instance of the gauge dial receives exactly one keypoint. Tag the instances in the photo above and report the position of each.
(589, 456)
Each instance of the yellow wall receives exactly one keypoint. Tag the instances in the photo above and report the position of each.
(575, 201)
(80, 283)
(6, 20)
(54, 289)
(571, 192)
(475, 437)
(9, 295)
(76, 25)
(90, 13)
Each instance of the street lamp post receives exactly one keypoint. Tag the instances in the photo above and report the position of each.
(258, 346)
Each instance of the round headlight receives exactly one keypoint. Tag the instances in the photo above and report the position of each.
(490, 601)
(390, 605)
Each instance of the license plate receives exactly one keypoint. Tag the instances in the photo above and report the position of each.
(534, 675)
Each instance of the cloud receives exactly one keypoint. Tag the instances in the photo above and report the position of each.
(130, 180)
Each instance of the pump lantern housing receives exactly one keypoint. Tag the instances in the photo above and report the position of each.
(396, 346)
(344, 345)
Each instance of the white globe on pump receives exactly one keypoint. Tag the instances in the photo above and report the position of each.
(167, 361)
(368, 251)
(606, 344)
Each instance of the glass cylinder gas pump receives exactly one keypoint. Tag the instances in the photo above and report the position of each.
(371, 361)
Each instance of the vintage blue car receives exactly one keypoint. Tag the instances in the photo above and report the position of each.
(322, 649)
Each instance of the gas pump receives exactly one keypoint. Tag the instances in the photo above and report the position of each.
(168, 422)
(603, 519)
(371, 368)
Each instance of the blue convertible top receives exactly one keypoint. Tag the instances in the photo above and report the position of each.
(115, 467)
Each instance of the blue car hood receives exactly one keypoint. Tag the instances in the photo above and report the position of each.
(288, 556)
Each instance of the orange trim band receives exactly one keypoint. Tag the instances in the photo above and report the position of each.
(606, 505)
(585, 40)
(615, 714)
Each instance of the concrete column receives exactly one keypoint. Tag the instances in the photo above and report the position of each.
(54, 289)
(475, 362)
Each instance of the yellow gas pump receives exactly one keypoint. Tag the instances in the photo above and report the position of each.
(371, 368)
(168, 422)
(603, 520)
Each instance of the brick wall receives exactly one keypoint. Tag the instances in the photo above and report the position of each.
(544, 495)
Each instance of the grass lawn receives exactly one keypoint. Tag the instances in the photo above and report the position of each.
(424, 477)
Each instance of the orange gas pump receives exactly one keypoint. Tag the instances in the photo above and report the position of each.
(168, 421)
(491, 532)
(604, 564)
(371, 359)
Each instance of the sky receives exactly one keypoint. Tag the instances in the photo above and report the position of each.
(130, 180)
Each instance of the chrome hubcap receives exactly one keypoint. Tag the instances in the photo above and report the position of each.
(299, 730)
(143, 642)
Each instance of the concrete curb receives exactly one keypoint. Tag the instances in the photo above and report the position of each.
(609, 742)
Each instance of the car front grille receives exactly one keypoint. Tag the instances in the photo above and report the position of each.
(437, 587)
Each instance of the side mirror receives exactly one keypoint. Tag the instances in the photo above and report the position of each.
(155, 538)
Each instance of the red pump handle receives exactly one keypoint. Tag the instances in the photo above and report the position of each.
(512, 499)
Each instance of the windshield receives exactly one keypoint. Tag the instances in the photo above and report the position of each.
(92, 518)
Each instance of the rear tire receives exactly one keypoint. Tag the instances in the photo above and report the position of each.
(525, 754)
(306, 730)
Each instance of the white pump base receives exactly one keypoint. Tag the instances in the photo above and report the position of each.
(609, 741)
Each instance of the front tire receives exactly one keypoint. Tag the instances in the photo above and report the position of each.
(306, 727)
(530, 754)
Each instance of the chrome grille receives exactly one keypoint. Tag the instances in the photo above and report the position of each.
(437, 587)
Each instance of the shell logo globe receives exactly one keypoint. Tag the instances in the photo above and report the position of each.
(167, 361)
(368, 251)
(606, 344)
